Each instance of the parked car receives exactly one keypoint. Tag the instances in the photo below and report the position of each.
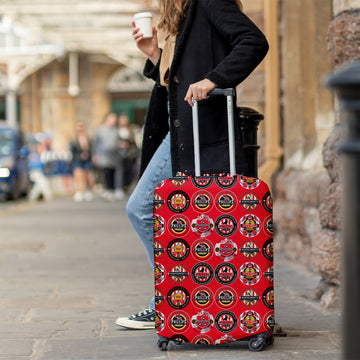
(14, 168)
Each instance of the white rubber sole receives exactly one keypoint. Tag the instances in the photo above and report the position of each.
(136, 325)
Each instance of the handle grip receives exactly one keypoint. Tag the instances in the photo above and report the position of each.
(229, 93)
(222, 92)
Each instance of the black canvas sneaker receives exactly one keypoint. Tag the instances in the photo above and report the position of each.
(142, 321)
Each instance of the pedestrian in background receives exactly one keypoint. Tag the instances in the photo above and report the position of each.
(82, 165)
(209, 44)
(106, 155)
(128, 150)
(41, 186)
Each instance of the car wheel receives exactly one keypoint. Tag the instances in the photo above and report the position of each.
(15, 194)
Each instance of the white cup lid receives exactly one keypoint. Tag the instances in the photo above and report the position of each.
(142, 15)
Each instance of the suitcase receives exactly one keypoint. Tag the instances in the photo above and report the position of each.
(213, 253)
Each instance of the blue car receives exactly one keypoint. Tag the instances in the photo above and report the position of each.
(14, 168)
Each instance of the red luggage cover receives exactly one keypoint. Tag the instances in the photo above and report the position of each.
(213, 248)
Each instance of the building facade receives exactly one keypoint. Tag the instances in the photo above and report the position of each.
(307, 188)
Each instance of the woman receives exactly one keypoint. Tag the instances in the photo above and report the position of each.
(128, 152)
(210, 43)
(82, 166)
(105, 154)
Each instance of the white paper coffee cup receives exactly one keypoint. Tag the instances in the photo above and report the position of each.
(144, 22)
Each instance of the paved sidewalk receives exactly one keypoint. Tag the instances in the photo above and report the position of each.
(68, 270)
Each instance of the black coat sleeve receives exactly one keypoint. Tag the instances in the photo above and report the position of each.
(156, 123)
(248, 44)
(152, 71)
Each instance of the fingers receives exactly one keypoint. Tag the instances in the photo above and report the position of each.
(199, 91)
(138, 35)
(196, 92)
(136, 31)
(189, 97)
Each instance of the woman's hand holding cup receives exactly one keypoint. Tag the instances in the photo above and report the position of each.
(148, 44)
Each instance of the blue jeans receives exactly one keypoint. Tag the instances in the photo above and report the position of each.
(140, 205)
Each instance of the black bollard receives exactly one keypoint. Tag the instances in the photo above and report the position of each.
(346, 85)
(249, 120)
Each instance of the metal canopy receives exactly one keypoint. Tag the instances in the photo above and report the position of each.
(91, 26)
(35, 32)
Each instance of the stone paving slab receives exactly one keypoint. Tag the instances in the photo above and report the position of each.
(16, 348)
(135, 346)
(68, 270)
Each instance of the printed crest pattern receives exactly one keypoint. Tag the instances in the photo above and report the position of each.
(213, 250)
(202, 297)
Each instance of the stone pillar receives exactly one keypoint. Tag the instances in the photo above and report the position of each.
(344, 45)
(251, 93)
(11, 99)
(307, 105)
(30, 105)
(272, 150)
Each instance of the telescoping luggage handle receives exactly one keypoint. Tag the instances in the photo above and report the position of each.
(229, 93)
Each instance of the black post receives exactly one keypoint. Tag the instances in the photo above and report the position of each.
(346, 84)
(249, 120)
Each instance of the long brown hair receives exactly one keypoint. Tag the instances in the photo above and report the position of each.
(173, 11)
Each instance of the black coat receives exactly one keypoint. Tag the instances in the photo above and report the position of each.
(218, 42)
